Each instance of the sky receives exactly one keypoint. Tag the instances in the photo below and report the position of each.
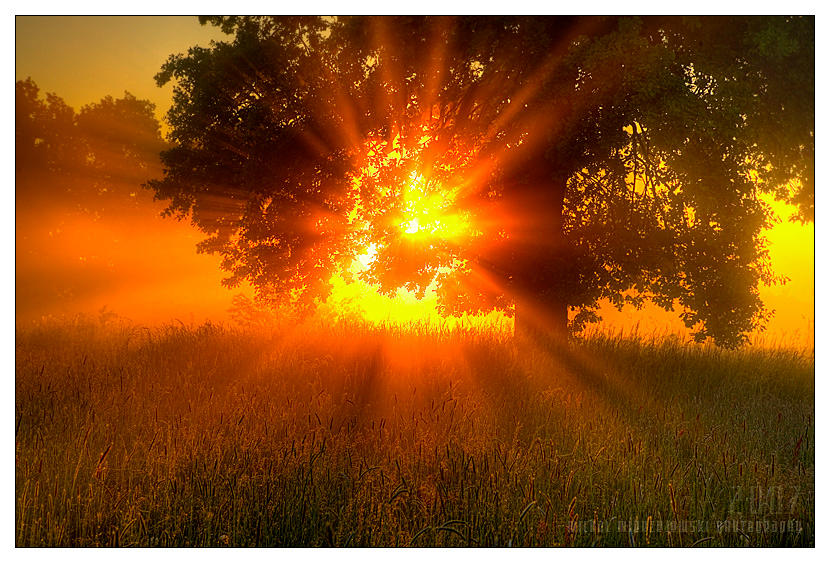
(83, 59)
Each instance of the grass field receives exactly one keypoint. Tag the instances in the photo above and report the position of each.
(353, 436)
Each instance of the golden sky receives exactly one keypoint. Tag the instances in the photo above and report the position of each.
(82, 59)
(792, 250)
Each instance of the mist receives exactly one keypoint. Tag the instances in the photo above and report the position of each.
(90, 239)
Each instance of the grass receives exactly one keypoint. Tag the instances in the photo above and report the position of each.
(353, 436)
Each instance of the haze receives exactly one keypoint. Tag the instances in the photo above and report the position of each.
(145, 268)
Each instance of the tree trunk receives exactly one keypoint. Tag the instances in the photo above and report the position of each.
(543, 276)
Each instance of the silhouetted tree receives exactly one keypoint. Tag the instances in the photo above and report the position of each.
(596, 158)
(73, 169)
(46, 139)
(94, 160)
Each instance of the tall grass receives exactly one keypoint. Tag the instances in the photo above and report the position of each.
(357, 436)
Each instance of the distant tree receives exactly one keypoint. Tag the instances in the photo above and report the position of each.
(46, 140)
(123, 141)
(594, 158)
(94, 160)
(73, 169)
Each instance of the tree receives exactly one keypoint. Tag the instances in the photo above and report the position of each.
(74, 169)
(586, 158)
(94, 160)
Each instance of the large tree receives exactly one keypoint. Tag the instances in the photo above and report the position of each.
(528, 163)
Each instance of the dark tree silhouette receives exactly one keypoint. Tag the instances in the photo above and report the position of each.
(74, 169)
(594, 158)
(95, 160)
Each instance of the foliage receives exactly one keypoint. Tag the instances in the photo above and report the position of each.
(79, 199)
(94, 160)
(598, 158)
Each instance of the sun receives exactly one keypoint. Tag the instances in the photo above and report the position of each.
(427, 211)
(417, 212)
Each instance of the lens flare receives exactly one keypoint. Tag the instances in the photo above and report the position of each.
(420, 211)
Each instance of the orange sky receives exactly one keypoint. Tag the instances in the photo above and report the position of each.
(82, 59)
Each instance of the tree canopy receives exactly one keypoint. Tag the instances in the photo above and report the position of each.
(75, 169)
(534, 164)
(92, 160)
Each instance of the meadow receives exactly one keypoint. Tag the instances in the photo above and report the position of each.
(348, 435)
